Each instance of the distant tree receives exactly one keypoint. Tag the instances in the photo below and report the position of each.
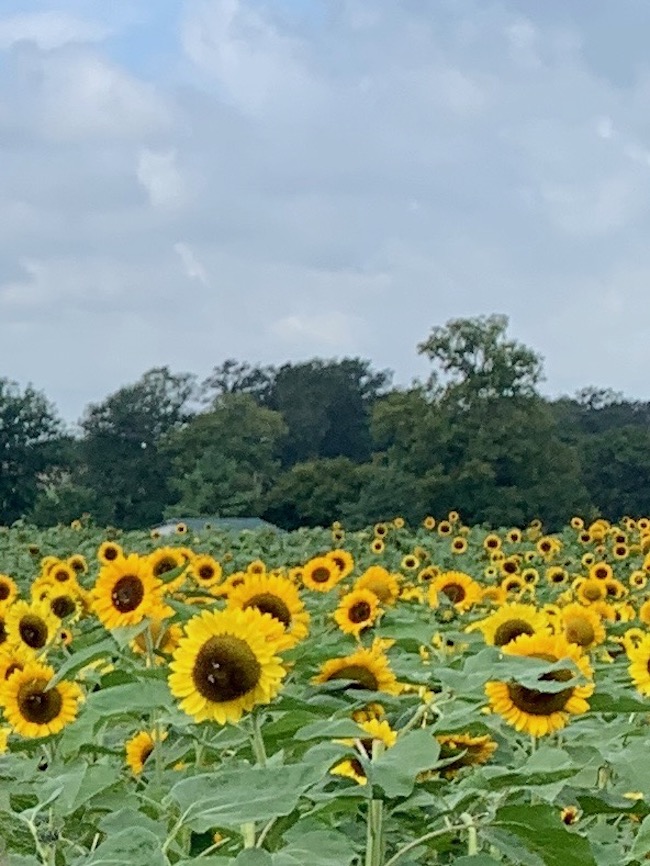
(121, 447)
(236, 377)
(31, 437)
(224, 460)
(617, 471)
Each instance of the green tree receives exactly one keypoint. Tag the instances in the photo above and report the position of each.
(124, 464)
(617, 471)
(224, 461)
(31, 437)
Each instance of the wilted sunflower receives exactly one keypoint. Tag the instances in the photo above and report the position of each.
(357, 610)
(639, 668)
(205, 570)
(33, 709)
(125, 592)
(320, 574)
(382, 583)
(33, 626)
(139, 748)
(366, 669)
(510, 621)
(8, 590)
(458, 587)
(109, 551)
(582, 626)
(531, 710)
(464, 750)
(226, 664)
(276, 596)
(343, 560)
(352, 768)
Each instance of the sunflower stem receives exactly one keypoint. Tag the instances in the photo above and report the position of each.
(472, 835)
(257, 740)
(155, 722)
(248, 832)
(375, 820)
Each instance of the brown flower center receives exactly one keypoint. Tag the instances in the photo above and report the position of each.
(37, 705)
(33, 631)
(454, 592)
(267, 602)
(165, 564)
(4, 590)
(511, 629)
(206, 572)
(110, 554)
(359, 612)
(579, 630)
(361, 677)
(63, 606)
(537, 703)
(320, 575)
(225, 669)
(128, 593)
(3, 631)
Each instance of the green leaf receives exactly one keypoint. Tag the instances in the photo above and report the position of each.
(134, 846)
(129, 698)
(330, 729)
(395, 770)
(476, 860)
(235, 797)
(540, 829)
(317, 848)
(642, 841)
(81, 659)
(603, 702)
(253, 857)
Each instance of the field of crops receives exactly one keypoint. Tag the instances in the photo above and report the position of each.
(397, 696)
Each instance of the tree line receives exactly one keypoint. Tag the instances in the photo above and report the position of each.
(303, 444)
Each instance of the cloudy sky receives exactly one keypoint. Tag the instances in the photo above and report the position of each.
(182, 182)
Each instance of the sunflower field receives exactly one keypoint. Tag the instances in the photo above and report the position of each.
(390, 697)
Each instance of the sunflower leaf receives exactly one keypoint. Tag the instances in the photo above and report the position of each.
(82, 658)
(540, 830)
(395, 770)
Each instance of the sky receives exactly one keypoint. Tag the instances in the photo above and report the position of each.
(274, 180)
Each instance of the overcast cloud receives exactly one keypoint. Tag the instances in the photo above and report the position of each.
(277, 179)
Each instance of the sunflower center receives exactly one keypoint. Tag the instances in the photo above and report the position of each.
(33, 631)
(592, 593)
(510, 567)
(357, 767)
(206, 572)
(3, 631)
(4, 591)
(145, 753)
(61, 576)
(63, 606)
(359, 612)
(510, 629)
(454, 592)
(266, 602)
(226, 668)
(167, 563)
(110, 554)
(362, 677)
(320, 575)
(339, 563)
(128, 593)
(537, 703)
(580, 631)
(38, 706)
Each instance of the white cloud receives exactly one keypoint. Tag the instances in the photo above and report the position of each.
(158, 173)
(193, 267)
(321, 331)
(49, 29)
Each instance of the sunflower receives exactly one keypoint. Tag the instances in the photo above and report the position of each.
(399, 523)
(357, 610)
(321, 574)
(33, 709)
(13, 658)
(644, 612)
(78, 563)
(458, 587)
(494, 595)
(514, 536)
(491, 542)
(509, 566)
(165, 560)
(8, 590)
(458, 544)
(614, 589)
(205, 570)
(510, 621)
(410, 562)
(582, 626)
(226, 664)
(257, 566)
(600, 570)
(513, 583)
(366, 669)
(577, 523)
(464, 750)
(139, 748)
(64, 605)
(338, 535)
(639, 669)
(276, 596)
(376, 730)
(181, 528)
(531, 710)
(445, 528)
(31, 625)
(377, 579)
(109, 551)
(125, 592)
(428, 573)
(591, 590)
(342, 560)
(621, 551)
(429, 522)
(381, 530)
(63, 575)
(557, 575)
(377, 546)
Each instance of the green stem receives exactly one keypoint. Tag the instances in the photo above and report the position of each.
(375, 820)
(258, 741)
(248, 832)
(422, 839)
(472, 835)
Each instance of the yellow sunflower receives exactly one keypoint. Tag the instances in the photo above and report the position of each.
(276, 596)
(582, 626)
(165, 560)
(382, 583)
(428, 573)
(125, 592)
(510, 621)
(491, 542)
(377, 546)
(445, 528)
(109, 551)
(639, 668)
(226, 664)
(464, 750)
(78, 563)
(13, 658)
(8, 590)
(205, 570)
(366, 669)
(410, 562)
(534, 711)
(352, 768)
(343, 560)
(600, 571)
(458, 587)
(139, 748)
(591, 590)
(320, 574)
(33, 626)
(357, 610)
(381, 530)
(458, 544)
(64, 604)
(429, 522)
(31, 708)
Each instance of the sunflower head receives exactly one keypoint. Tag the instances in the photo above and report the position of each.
(382, 583)
(32, 708)
(8, 590)
(108, 552)
(139, 748)
(457, 587)
(125, 592)
(320, 574)
(31, 626)
(276, 596)
(343, 560)
(367, 669)
(357, 611)
(205, 570)
(509, 622)
(464, 750)
(582, 626)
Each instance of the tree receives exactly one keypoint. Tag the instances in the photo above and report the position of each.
(326, 406)
(30, 443)
(224, 461)
(235, 377)
(617, 471)
(121, 448)
(474, 359)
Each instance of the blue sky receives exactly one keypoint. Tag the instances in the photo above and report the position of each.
(277, 179)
